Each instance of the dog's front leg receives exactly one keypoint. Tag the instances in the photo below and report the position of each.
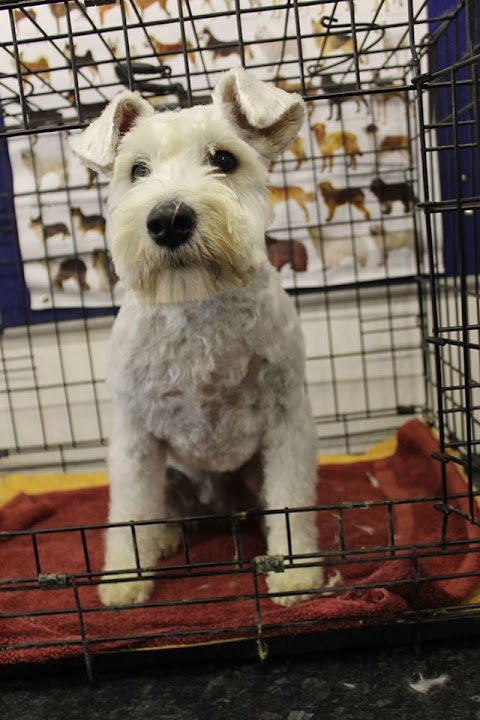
(290, 461)
(137, 472)
(331, 205)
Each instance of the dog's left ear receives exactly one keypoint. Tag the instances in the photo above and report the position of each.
(267, 117)
(97, 145)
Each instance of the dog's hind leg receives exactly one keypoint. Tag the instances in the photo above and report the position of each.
(137, 473)
(58, 281)
(359, 204)
(332, 206)
(305, 210)
(82, 280)
(327, 162)
(289, 463)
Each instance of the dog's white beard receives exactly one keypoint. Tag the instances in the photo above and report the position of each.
(223, 253)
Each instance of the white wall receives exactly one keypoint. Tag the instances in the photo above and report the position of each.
(52, 388)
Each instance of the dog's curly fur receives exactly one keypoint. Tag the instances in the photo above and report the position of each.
(206, 361)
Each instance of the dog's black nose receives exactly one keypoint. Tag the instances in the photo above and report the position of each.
(171, 224)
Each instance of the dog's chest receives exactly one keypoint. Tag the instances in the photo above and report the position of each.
(180, 376)
(205, 398)
(202, 385)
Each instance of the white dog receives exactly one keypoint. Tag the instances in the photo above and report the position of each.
(206, 358)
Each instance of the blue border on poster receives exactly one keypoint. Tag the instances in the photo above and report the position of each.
(14, 295)
(451, 48)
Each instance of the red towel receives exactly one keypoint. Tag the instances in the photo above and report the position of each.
(409, 473)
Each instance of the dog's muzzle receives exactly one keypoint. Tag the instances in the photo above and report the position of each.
(171, 224)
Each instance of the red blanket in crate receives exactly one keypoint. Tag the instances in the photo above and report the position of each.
(49, 616)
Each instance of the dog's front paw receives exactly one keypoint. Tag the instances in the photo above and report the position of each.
(126, 592)
(169, 539)
(294, 580)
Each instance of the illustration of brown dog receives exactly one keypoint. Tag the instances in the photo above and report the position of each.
(295, 86)
(329, 42)
(331, 142)
(102, 9)
(170, 50)
(297, 148)
(223, 49)
(34, 68)
(390, 143)
(45, 232)
(18, 15)
(388, 193)
(58, 11)
(71, 268)
(142, 5)
(89, 222)
(285, 252)
(329, 86)
(277, 195)
(82, 61)
(334, 197)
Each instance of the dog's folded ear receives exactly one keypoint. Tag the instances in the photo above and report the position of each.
(97, 145)
(267, 117)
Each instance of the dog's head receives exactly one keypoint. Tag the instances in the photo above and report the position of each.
(319, 130)
(326, 188)
(188, 188)
(377, 186)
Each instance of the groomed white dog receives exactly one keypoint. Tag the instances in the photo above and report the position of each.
(206, 361)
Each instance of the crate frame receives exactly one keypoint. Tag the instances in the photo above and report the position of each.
(447, 349)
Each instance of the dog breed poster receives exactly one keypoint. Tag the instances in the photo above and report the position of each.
(341, 196)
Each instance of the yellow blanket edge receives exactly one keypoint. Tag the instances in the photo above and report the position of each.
(16, 483)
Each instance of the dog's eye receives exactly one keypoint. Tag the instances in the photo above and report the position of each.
(139, 170)
(224, 161)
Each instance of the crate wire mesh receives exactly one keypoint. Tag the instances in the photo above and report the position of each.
(380, 347)
(452, 134)
(362, 370)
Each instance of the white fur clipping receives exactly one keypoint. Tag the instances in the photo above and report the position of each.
(424, 685)
(372, 480)
(97, 145)
(268, 116)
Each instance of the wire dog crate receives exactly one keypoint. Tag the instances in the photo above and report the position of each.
(375, 232)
